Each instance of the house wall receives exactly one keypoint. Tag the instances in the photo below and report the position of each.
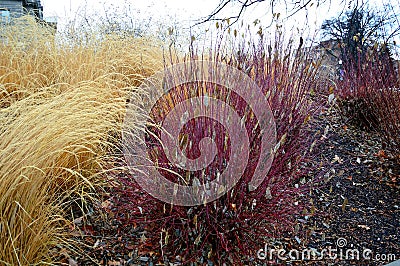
(20, 7)
(15, 7)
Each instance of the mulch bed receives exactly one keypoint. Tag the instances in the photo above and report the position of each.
(356, 206)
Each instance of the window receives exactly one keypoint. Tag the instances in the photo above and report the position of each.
(4, 16)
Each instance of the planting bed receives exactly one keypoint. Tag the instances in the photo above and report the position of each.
(358, 200)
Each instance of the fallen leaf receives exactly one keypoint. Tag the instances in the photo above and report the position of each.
(197, 240)
(312, 211)
(268, 194)
(345, 201)
(105, 204)
(143, 238)
(364, 226)
(72, 262)
(381, 154)
(78, 221)
(195, 221)
(331, 98)
(97, 243)
(337, 159)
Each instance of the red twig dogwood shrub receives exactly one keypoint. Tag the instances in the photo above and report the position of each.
(234, 226)
(369, 94)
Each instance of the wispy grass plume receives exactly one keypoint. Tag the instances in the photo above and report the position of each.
(61, 109)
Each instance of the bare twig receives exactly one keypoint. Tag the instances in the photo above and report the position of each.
(297, 5)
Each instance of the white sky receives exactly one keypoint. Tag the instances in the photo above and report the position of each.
(185, 9)
(187, 12)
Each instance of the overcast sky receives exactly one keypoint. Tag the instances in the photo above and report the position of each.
(187, 12)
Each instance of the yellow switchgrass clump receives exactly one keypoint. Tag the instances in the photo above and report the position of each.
(59, 105)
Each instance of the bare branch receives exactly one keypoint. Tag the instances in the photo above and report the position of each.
(297, 6)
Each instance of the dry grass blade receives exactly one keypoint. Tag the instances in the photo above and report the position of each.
(61, 106)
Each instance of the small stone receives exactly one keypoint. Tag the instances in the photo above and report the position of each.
(144, 259)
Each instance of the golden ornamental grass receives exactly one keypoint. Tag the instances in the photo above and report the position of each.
(59, 105)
